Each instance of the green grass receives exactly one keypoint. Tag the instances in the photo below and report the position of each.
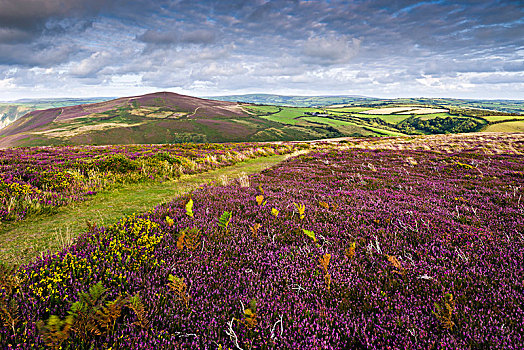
(263, 109)
(496, 118)
(517, 126)
(22, 241)
(328, 121)
(286, 115)
(385, 132)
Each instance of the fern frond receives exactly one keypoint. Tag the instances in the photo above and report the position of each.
(83, 313)
(191, 238)
(95, 293)
(274, 212)
(107, 314)
(189, 208)
(135, 304)
(324, 261)
(393, 260)
(254, 229)
(55, 331)
(83, 318)
(327, 281)
(250, 315)
(444, 311)
(260, 199)
(350, 252)
(179, 289)
(323, 205)
(8, 280)
(310, 234)
(224, 220)
(181, 239)
(301, 208)
(9, 313)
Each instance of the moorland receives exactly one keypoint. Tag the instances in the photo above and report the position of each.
(406, 231)
(172, 118)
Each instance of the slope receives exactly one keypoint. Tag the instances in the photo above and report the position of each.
(162, 117)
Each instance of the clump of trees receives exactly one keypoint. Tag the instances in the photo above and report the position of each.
(440, 125)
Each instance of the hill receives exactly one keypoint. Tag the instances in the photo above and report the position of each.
(368, 244)
(162, 117)
(167, 117)
(505, 106)
(11, 111)
(293, 101)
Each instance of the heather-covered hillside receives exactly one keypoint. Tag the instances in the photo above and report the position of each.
(341, 248)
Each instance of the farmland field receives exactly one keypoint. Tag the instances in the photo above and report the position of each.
(497, 118)
(285, 115)
(347, 109)
(390, 118)
(342, 248)
(515, 126)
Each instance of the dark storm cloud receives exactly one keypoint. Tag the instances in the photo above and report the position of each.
(31, 16)
(294, 43)
(36, 55)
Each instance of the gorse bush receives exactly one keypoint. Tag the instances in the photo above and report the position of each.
(117, 163)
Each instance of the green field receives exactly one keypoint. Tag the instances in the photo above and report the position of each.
(517, 126)
(385, 132)
(297, 117)
(284, 115)
(351, 122)
(389, 118)
(497, 118)
(328, 121)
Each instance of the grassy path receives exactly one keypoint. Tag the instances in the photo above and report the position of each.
(22, 241)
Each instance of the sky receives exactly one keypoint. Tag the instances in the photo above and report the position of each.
(382, 48)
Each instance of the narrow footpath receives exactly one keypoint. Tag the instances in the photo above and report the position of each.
(22, 241)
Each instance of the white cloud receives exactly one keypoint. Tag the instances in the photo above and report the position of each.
(91, 65)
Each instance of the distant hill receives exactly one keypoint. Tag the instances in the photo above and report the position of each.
(11, 111)
(292, 101)
(162, 117)
(507, 106)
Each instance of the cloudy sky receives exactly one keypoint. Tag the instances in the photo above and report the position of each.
(383, 48)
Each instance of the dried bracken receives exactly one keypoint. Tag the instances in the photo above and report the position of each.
(444, 311)
(135, 303)
(190, 237)
(178, 287)
(254, 229)
(324, 263)
(250, 315)
(350, 252)
(396, 264)
(324, 205)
